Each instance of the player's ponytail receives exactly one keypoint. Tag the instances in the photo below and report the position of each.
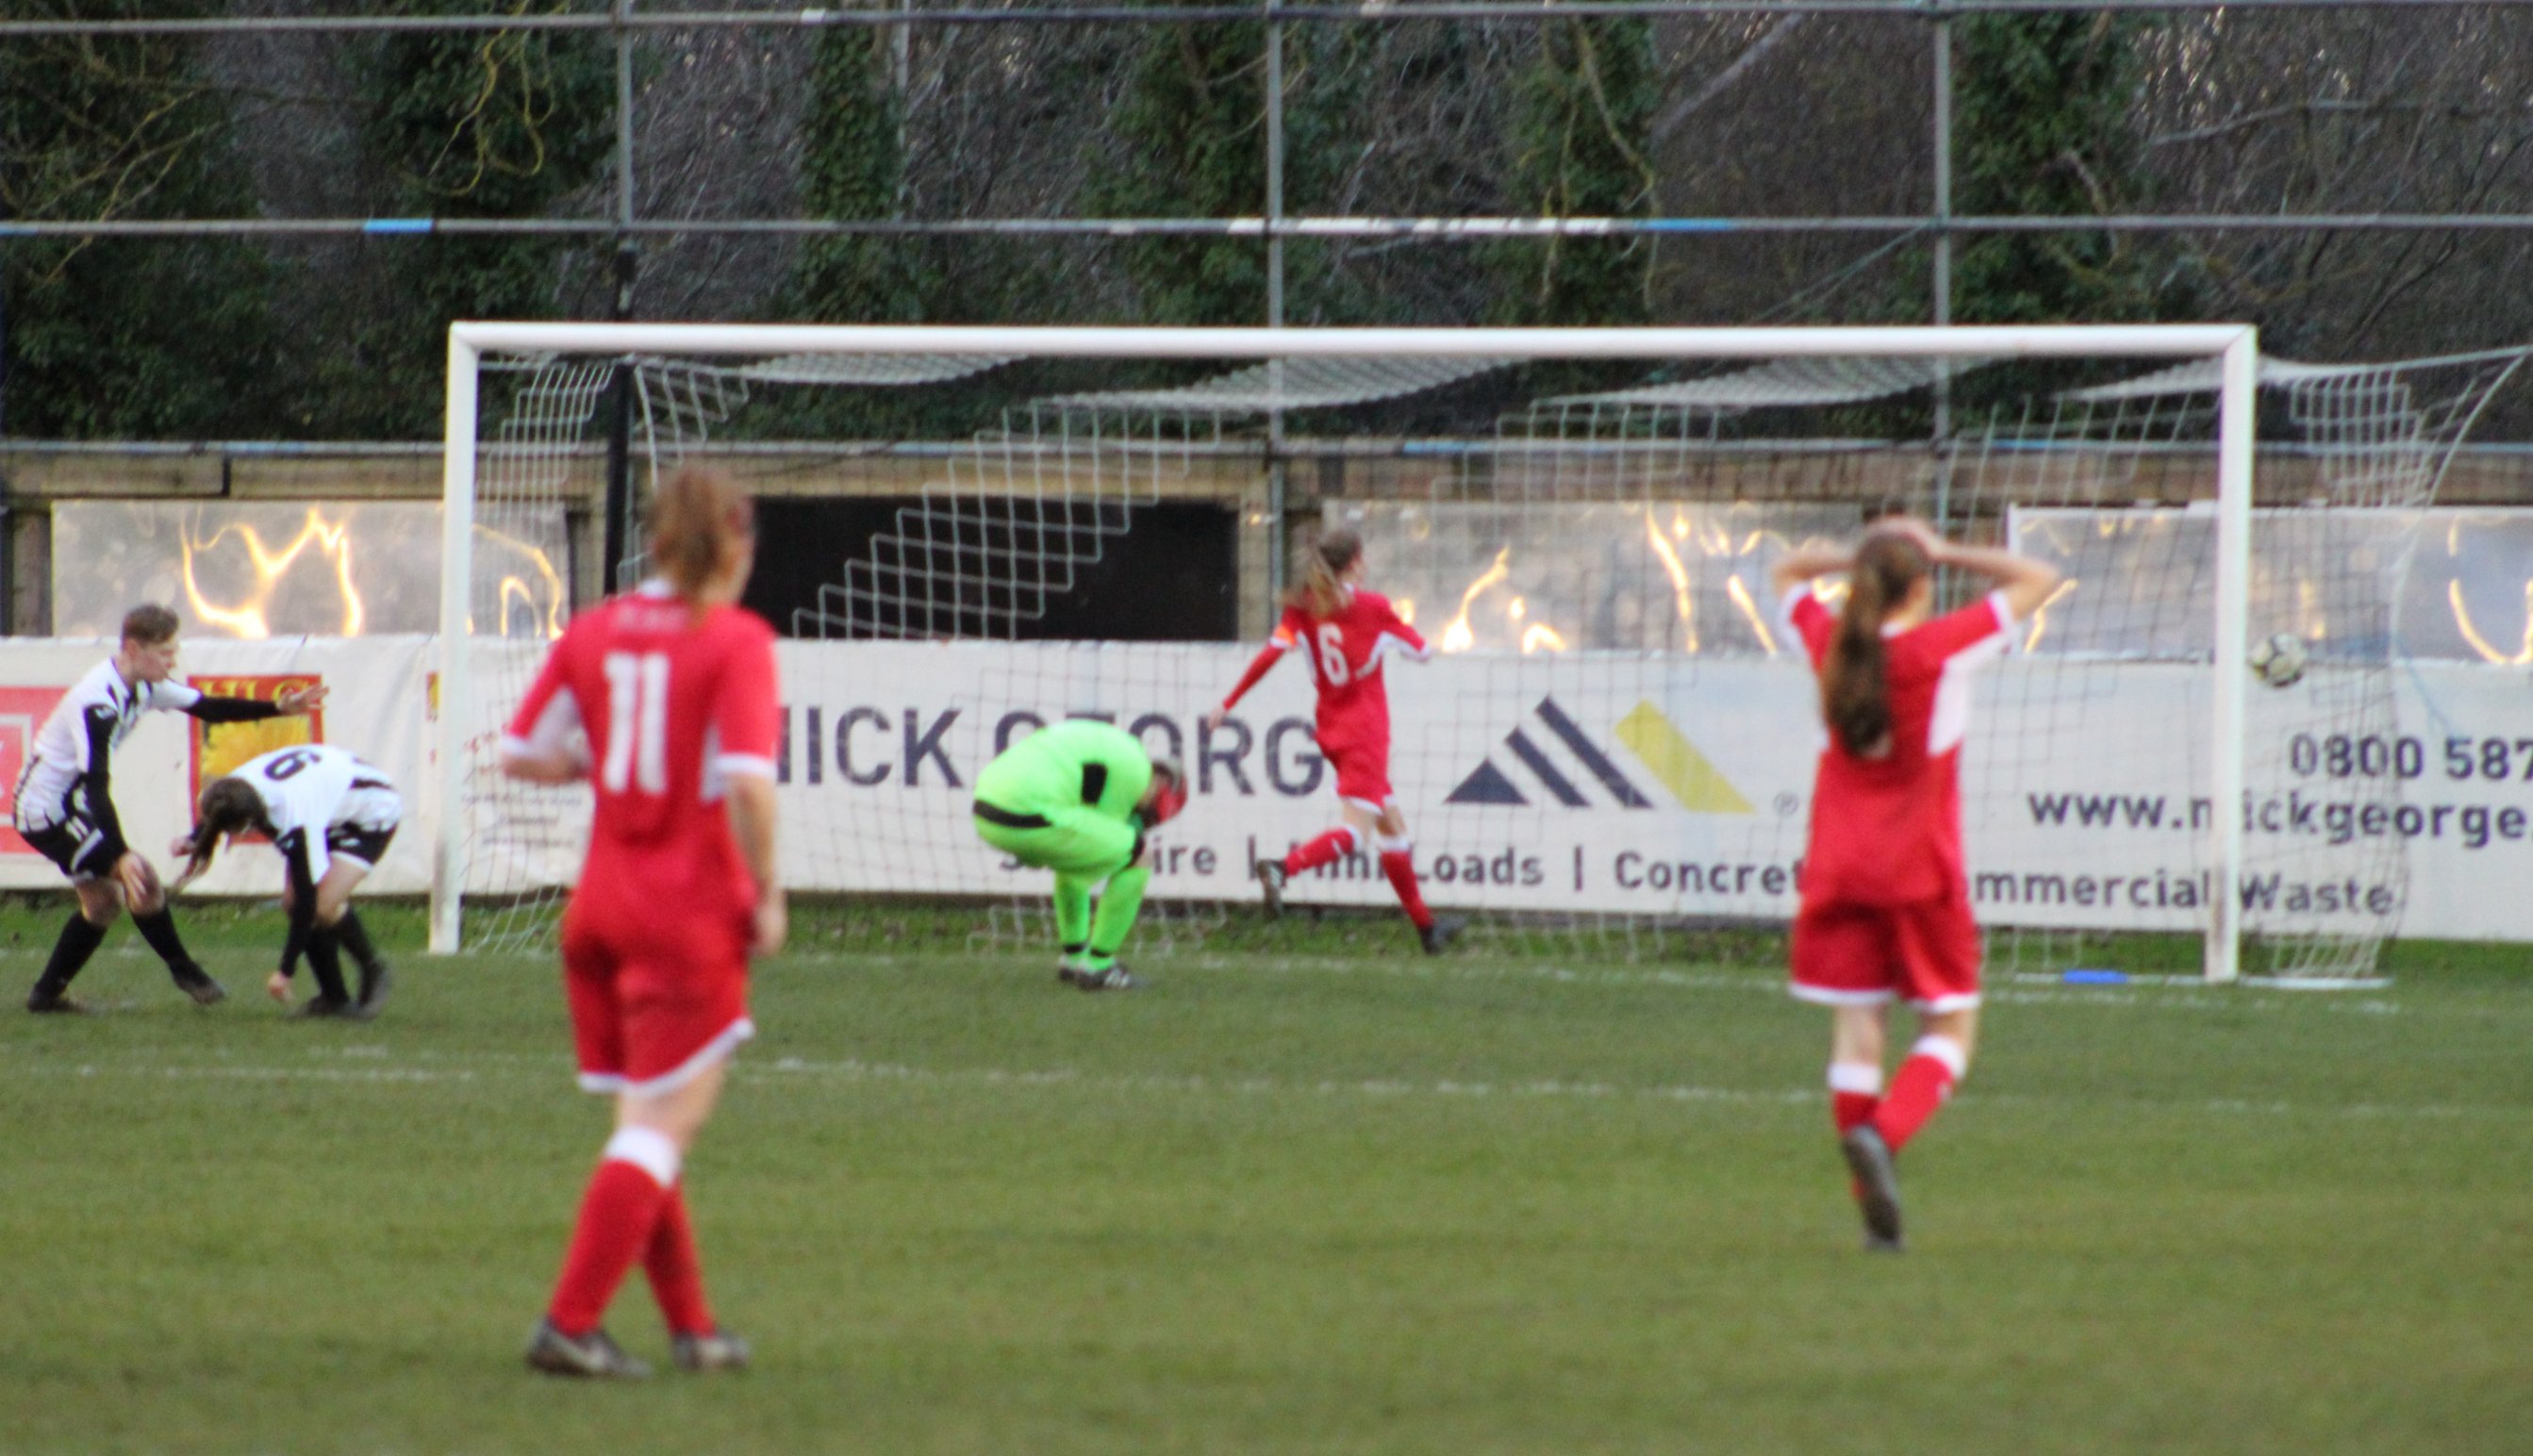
(1322, 590)
(228, 806)
(694, 516)
(1856, 700)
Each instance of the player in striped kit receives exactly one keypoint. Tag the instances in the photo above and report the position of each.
(1885, 909)
(64, 800)
(331, 816)
(672, 687)
(1346, 633)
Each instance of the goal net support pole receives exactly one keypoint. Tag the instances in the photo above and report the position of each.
(2234, 346)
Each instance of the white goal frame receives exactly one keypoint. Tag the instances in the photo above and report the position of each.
(2236, 346)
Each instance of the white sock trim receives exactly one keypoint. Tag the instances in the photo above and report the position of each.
(1353, 841)
(1861, 1078)
(646, 1149)
(1398, 846)
(1945, 1050)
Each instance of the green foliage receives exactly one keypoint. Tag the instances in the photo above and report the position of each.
(467, 125)
(853, 166)
(2046, 125)
(111, 338)
(1190, 138)
(1583, 119)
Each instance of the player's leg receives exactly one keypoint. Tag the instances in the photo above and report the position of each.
(675, 1104)
(86, 856)
(1072, 922)
(1121, 900)
(357, 847)
(1087, 849)
(156, 922)
(1033, 844)
(1938, 950)
(621, 1199)
(1353, 833)
(339, 926)
(100, 901)
(1856, 1037)
(682, 1012)
(1839, 960)
(1398, 866)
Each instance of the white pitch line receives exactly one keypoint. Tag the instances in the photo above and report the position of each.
(506, 1067)
(2186, 993)
(248, 1074)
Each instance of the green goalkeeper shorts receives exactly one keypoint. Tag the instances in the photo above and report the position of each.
(1070, 842)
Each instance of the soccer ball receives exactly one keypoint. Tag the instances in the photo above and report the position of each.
(2279, 658)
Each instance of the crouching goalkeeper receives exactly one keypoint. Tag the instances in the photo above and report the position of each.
(1078, 798)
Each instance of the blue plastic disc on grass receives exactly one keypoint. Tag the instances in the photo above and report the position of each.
(2088, 977)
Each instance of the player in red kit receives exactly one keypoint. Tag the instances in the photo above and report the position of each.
(672, 690)
(1346, 633)
(1885, 904)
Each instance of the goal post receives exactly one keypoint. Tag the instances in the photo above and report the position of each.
(467, 717)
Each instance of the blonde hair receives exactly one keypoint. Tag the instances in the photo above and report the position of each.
(692, 517)
(1322, 590)
(1855, 698)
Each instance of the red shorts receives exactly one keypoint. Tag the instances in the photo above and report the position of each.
(1363, 773)
(1926, 953)
(653, 1006)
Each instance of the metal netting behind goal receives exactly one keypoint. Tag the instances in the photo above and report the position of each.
(1611, 749)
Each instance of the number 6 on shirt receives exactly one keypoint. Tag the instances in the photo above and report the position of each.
(638, 722)
(1333, 657)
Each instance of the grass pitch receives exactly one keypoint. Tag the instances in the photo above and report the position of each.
(1321, 1202)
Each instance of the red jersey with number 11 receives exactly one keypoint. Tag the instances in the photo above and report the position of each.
(673, 702)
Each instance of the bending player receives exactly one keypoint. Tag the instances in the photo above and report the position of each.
(331, 816)
(1077, 798)
(1345, 633)
(1885, 904)
(64, 800)
(674, 686)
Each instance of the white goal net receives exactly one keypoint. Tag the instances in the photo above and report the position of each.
(969, 532)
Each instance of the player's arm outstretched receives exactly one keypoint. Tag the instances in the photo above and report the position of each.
(1259, 666)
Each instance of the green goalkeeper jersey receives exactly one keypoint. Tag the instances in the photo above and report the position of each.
(1078, 763)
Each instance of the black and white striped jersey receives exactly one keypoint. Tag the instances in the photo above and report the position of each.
(78, 741)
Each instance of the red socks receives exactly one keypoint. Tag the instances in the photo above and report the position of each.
(618, 1216)
(1402, 878)
(1395, 863)
(1326, 850)
(677, 1274)
(1855, 1090)
(1921, 1087)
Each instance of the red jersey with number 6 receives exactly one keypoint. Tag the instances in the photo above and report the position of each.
(1345, 652)
(673, 703)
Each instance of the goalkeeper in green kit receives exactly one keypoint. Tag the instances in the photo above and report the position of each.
(1077, 797)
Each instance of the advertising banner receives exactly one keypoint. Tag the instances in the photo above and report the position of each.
(1594, 781)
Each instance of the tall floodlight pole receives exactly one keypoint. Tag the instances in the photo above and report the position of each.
(615, 526)
(1275, 473)
(1942, 286)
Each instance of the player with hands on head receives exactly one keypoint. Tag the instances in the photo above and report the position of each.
(64, 800)
(331, 816)
(1079, 797)
(1885, 909)
(665, 700)
(1346, 633)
